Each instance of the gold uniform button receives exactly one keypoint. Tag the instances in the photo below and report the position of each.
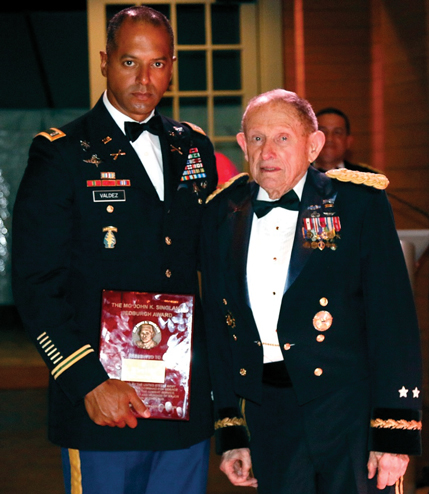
(243, 372)
(168, 273)
(287, 346)
(318, 372)
(110, 209)
(224, 301)
(234, 337)
(200, 201)
(320, 338)
(323, 301)
(168, 240)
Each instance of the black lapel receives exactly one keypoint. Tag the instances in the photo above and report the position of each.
(317, 188)
(175, 144)
(237, 227)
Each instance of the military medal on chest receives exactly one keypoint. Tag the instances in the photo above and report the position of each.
(321, 226)
(194, 166)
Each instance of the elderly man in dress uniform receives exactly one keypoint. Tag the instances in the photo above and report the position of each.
(312, 331)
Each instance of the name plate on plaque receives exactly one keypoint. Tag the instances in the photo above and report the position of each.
(146, 340)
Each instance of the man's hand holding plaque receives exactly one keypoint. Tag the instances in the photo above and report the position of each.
(115, 403)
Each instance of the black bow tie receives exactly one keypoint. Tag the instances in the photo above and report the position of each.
(289, 201)
(134, 129)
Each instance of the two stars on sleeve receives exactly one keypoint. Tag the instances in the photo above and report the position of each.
(403, 392)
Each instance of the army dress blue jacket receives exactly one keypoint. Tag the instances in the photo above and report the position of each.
(347, 313)
(87, 218)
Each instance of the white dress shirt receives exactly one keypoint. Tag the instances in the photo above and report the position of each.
(147, 147)
(270, 249)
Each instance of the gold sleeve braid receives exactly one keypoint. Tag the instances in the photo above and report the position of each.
(229, 422)
(399, 486)
(409, 425)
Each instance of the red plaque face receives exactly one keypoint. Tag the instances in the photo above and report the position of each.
(146, 340)
(322, 321)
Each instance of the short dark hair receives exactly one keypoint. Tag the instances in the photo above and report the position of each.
(140, 13)
(335, 111)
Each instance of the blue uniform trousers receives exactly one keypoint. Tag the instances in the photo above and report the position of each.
(182, 471)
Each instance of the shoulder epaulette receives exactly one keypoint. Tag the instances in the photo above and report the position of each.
(376, 180)
(52, 134)
(237, 179)
(195, 127)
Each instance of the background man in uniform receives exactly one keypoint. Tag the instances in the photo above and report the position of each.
(312, 332)
(336, 126)
(108, 203)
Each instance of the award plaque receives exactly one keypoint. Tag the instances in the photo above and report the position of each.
(146, 340)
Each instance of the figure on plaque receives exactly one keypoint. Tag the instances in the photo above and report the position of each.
(146, 335)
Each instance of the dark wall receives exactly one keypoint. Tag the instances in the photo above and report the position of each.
(44, 59)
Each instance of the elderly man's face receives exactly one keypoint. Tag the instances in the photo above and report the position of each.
(146, 333)
(277, 148)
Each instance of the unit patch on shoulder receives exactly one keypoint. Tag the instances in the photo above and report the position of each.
(195, 127)
(237, 179)
(375, 180)
(52, 134)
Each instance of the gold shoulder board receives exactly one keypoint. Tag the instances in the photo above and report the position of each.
(52, 134)
(195, 127)
(371, 179)
(225, 186)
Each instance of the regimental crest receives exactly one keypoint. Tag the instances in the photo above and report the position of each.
(109, 237)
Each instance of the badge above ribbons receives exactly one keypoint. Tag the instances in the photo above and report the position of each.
(322, 226)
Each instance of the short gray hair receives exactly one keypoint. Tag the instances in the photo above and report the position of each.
(302, 107)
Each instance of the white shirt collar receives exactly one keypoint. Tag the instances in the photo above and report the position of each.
(119, 117)
(299, 187)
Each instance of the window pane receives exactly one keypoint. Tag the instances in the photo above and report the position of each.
(227, 115)
(192, 71)
(190, 24)
(194, 110)
(225, 24)
(226, 70)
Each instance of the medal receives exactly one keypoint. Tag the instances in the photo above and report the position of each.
(322, 321)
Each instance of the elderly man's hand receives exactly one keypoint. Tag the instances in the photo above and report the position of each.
(390, 467)
(236, 465)
(115, 403)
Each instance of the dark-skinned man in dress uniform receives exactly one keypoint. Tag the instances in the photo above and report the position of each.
(335, 124)
(311, 326)
(103, 206)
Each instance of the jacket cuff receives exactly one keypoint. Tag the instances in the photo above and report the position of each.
(396, 430)
(230, 430)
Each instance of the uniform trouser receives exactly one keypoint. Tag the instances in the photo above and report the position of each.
(182, 471)
(316, 448)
